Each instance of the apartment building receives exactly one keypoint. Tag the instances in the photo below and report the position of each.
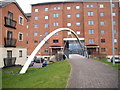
(90, 20)
(13, 27)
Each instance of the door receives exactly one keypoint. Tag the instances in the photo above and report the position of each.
(8, 61)
(10, 18)
(9, 37)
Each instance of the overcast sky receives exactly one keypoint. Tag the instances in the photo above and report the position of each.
(25, 4)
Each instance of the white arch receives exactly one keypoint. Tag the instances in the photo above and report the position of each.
(31, 57)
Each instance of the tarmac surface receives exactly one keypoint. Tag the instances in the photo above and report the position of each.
(87, 73)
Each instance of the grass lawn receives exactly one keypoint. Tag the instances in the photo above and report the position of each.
(52, 76)
(116, 66)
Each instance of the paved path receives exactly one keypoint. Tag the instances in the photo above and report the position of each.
(88, 73)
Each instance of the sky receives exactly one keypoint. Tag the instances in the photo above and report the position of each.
(25, 4)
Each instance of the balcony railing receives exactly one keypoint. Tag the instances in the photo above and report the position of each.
(9, 42)
(10, 23)
(9, 61)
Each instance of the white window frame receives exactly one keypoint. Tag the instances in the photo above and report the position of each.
(77, 23)
(18, 36)
(69, 24)
(55, 24)
(102, 14)
(102, 23)
(91, 22)
(101, 5)
(55, 15)
(35, 34)
(46, 17)
(68, 8)
(36, 9)
(36, 18)
(46, 9)
(91, 31)
(77, 15)
(69, 16)
(36, 26)
(78, 32)
(90, 13)
(102, 31)
(22, 20)
(77, 7)
(46, 25)
(91, 40)
(113, 14)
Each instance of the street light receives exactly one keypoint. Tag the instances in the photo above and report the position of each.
(113, 44)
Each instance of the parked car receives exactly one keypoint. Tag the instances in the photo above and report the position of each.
(117, 59)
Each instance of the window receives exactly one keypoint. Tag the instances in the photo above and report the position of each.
(116, 50)
(102, 23)
(27, 26)
(56, 33)
(101, 6)
(91, 31)
(45, 17)
(115, 31)
(90, 6)
(77, 15)
(20, 53)
(102, 40)
(77, 23)
(55, 15)
(46, 50)
(114, 14)
(68, 16)
(58, 8)
(26, 42)
(55, 41)
(78, 32)
(69, 24)
(69, 33)
(35, 42)
(46, 25)
(55, 8)
(36, 18)
(46, 33)
(90, 22)
(35, 26)
(103, 49)
(35, 34)
(21, 20)
(9, 53)
(90, 13)
(115, 40)
(91, 40)
(27, 34)
(55, 24)
(113, 5)
(46, 9)
(36, 10)
(102, 32)
(114, 22)
(101, 14)
(68, 8)
(77, 7)
(20, 36)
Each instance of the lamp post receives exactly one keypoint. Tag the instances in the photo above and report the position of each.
(113, 44)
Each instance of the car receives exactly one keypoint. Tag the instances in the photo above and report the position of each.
(117, 59)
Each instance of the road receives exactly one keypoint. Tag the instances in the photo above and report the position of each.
(87, 73)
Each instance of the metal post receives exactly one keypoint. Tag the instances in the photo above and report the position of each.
(113, 45)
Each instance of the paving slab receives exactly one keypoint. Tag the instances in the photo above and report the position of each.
(87, 73)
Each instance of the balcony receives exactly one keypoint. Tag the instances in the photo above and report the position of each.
(9, 42)
(10, 23)
(9, 61)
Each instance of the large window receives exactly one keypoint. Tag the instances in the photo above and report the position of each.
(46, 50)
(91, 40)
(90, 13)
(102, 32)
(101, 6)
(103, 49)
(56, 41)
(102, 23)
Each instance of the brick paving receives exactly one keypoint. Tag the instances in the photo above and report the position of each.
(87, 73)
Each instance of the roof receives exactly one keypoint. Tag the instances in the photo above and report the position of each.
(4, 4)
(72, 1)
